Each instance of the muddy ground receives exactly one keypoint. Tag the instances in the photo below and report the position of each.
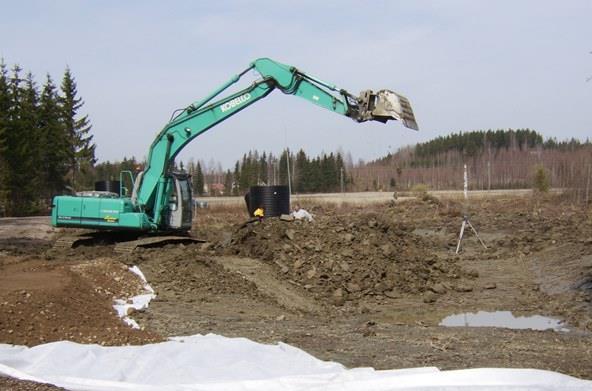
(364, 286)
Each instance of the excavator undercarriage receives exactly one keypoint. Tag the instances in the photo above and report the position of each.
(124, 243)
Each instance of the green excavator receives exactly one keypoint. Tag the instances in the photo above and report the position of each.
(160, 201)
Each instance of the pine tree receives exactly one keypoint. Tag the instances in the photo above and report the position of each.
(82, 149)
(332, 173)
(19, 143)
(246, 172)
(199, 180)
(4, 134)
(30, 149)
(236, 176)
(540, 180)
(315, 177)
(300, 180)
(250, 171)
(263, 169)
(15, 145)
(228, 182)
(243, 179)
(55, 142)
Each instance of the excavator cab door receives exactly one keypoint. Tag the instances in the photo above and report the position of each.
(180, 210)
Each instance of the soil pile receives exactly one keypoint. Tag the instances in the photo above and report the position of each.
(183, 271)
(44, 301)
(346, 257)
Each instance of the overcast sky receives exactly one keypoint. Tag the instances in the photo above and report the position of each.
(464, 65)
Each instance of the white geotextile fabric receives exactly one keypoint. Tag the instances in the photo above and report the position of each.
(139, 302)
(213, 362)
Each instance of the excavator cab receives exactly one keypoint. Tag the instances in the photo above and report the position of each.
(180, 212)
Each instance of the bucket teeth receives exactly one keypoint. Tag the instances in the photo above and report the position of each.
(383, 106)
(391, 105)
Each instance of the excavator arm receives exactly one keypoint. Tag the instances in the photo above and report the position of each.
(197, 118)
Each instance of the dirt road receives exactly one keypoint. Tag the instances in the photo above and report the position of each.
(362, 286)
(379, 197)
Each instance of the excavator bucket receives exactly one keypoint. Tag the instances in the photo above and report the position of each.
(390, 105)
(386, 105)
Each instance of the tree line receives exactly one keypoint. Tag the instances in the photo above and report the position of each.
(499, 159)
(305, 174)
(45, 143)
(475, 143)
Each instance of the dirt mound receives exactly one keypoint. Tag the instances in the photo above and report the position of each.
(44, 301)
(181, 268)
(346, 257)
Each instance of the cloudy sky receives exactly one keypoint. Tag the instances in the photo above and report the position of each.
(465, 65)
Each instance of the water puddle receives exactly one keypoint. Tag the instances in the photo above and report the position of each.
(503, 319)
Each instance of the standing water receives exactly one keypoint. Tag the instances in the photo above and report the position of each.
(503, 319)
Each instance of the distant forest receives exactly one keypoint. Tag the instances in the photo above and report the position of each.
(500, 159)
(45, 142)
(495, 160)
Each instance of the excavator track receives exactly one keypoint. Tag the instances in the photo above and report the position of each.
(153, 241)
(123, 244)
(71, 241)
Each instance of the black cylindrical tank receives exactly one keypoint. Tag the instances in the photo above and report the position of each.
(275, 200)
(111, 186)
